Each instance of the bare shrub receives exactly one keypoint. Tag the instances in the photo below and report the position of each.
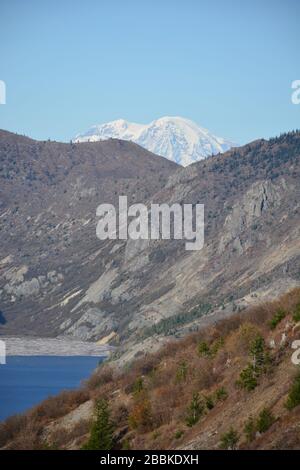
(60, 405)
(146, 365)
(220, 361)
(11, 427)
(205, 376)
(141, 416)
(228, 325)
(120, 415)
(165, 401)
(29, 438)
(102, 376)
(240, 340)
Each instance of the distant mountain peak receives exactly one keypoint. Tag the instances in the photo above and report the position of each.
(173, 137)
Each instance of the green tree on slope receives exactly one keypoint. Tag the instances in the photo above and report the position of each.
(101, 437)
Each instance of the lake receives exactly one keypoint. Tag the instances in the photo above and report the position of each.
(27, 380)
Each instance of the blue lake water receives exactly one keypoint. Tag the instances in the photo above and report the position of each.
(27, 380)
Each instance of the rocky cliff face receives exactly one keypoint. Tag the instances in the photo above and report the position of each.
(57, 278)
(50, 257)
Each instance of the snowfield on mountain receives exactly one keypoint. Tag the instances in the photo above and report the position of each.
(175, 138)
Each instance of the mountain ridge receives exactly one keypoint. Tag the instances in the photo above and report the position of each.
(175, 138)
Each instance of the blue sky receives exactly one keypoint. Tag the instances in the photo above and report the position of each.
(226, 64)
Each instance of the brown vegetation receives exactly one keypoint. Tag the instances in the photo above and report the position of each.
(183, 397)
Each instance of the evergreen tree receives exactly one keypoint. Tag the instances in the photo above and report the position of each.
(138, 386)
(265, 420)
(257, 351)
(101, 437)
(195, 410)
(294, 394)
(250, 429)
(229, 440)
(248, 378)
(182, 372)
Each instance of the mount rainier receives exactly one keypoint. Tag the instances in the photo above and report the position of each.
(175, 138)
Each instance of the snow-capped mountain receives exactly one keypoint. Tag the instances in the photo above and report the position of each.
(175, 138)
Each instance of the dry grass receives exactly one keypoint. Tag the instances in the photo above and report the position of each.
(62, 436)
(102, 376)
